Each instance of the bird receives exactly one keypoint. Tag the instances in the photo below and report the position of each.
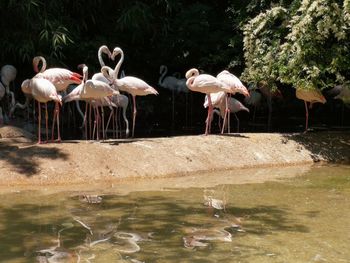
(219, 101)
(174, 84)
(206, 84)
(43, 91)
(340, 92)
(312, 96)
(61, 78)
(7, 75)
(129, 84)
(171, 82)
(120, 101)
(90, 90)
(236, 86)
(105, 50)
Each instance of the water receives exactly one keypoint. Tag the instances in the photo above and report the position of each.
(290, 219)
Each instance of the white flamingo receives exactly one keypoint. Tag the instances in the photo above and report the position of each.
(206, 84)
(129, 84)
(102, 50)
(90, 90)
(235, 86)
(43, 91)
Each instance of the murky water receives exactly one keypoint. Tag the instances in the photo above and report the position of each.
(299, 219)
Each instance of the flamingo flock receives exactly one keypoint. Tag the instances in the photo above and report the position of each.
(104, 91)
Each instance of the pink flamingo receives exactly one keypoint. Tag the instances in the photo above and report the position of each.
(312, 96)
(61, 78)
(90, 90)
(220, 101)
(235, 86)
(43, 91)
(206, 84)
(129, 84)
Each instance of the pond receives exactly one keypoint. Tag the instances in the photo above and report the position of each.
(299, 218)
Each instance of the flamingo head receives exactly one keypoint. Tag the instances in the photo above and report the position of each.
(26, 87)
(104, 49)
(116, 52)
(193, 72)
(162, 69)
(108, 73)
(36, 61)
(244, 91)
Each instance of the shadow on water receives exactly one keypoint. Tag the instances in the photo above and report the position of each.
(27, 228)
(329, 146)
(23, 159)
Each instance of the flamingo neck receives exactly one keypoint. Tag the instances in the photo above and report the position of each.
(163, 72)
(100, 59)
(189, 82)
(119, 64)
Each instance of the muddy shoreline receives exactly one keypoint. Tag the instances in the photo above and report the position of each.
(25, 163)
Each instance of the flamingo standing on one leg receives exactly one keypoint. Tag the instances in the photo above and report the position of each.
(235, 86)
(44, 91)
(312, 96)
(206, 84)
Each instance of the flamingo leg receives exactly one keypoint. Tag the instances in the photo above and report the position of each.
(46, 122)
(39, 123)
(208, 121)
(225, 116)
(228, 115)
(90, 106)
(113, 124)
(53, 124)
(306, 116)
(103, 123)
(109, 119)
(126, 123)
(85, 120)
(95, 120)
(57, 109)
(134, 116)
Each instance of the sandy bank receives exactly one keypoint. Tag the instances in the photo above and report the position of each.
(23, 162)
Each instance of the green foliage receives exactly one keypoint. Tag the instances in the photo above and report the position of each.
(304, 45)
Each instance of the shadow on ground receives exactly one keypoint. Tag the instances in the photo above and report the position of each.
(328, 146)
(25, 159)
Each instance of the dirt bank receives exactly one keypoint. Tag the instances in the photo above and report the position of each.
(23, 162)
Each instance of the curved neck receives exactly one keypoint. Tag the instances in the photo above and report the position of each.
(119, 64)
(99, 55)
(163, 71)
(36, 64)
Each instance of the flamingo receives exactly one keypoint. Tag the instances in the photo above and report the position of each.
(60, 77)
(220, 101)
(312, 96)
(8, 75)
(43, 91)
(206, 84)
(174, 84)
(129, 84)
(90, 90)
(120, 101)
(235, 86)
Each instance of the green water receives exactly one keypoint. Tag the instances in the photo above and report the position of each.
(299, 219)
